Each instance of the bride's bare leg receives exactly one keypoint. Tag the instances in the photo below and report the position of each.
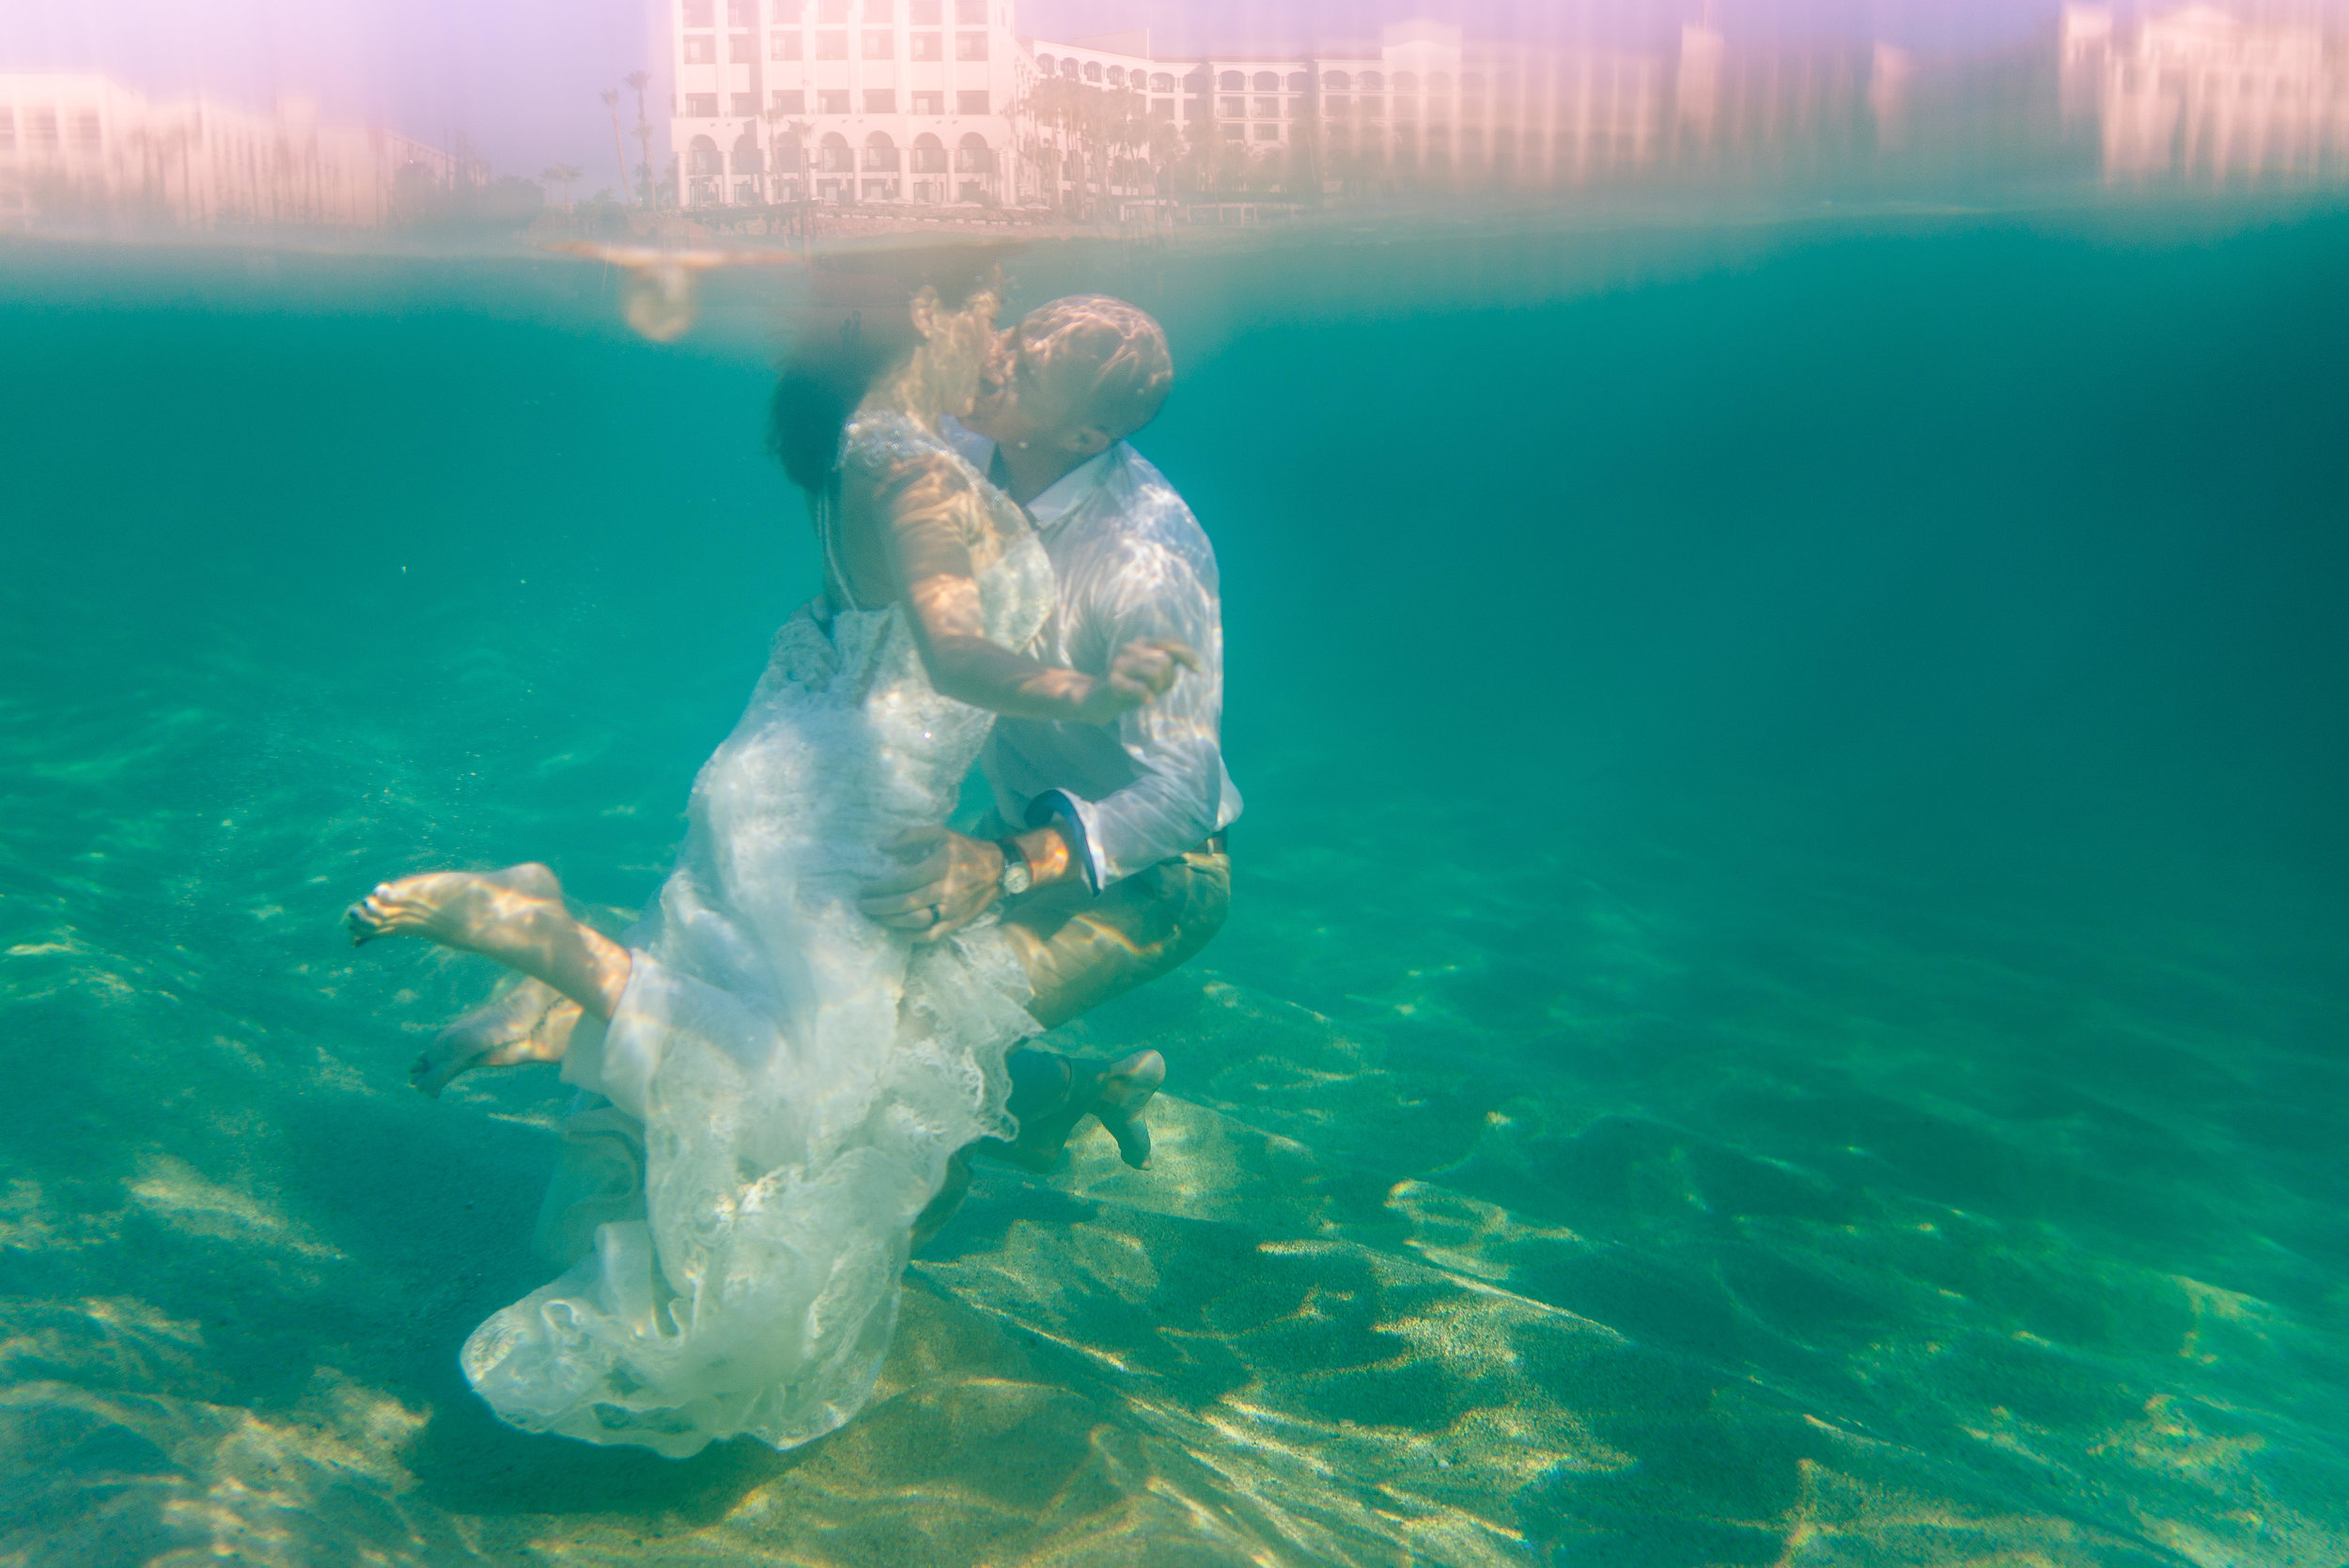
(531, 1022)
(515, 916)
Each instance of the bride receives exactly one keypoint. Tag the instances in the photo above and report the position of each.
(797, 1075)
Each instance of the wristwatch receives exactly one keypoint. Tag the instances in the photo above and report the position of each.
(1018, 876)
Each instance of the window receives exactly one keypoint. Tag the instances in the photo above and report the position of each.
(792, 102)
(970, 46)
(785, 46)
(702, 158)
(834, 156)
(1267, 81)
(926, 46)
(1300, 82)
(881, 46)
(880, 153)
(701, 106)
(1337, 82)
(1231, 81)
(880, 101)
(876, 10)
(741, 13)
(1339, 107)
(832, 46)
(1235, 132)
(1162, 81)
(1069, 69)
(929, 155)
(880, 189)
(746, 105)
(1194, 108)
(1268, 132)
(1093, 70)
(700, 13)
(85, 131)
(1117, 76)
(1373, 82)
(832, 100)
(1198, 81)
(970, 13)
(930, 103)
(742, 49)
(1296, 108)
(971, 102)
(1268, 108)
(1046, 64)
(924, 13)
(700, 49)
(831, 10)
(1376, 108)
(973, 156)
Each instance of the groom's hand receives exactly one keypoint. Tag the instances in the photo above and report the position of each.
(947, 881)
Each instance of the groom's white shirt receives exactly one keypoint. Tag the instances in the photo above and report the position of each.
(1130, 561)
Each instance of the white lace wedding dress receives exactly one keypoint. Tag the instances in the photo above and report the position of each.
(797, 1075)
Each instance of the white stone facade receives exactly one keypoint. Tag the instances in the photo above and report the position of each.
(83, 149)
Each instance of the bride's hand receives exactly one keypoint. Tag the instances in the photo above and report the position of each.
(1144, 671)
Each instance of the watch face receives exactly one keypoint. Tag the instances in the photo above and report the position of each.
(1017, 877)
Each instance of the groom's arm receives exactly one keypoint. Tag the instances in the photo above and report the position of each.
(1175, 800)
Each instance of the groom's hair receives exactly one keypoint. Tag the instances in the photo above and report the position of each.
(1105, 360)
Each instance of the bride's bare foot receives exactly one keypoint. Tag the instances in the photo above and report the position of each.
(515, 916)
(531, 1022)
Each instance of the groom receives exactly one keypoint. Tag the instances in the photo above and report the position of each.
(1106, 856)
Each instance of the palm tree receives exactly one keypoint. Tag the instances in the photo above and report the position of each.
(640, 80)
(562, 173)
(610, 97)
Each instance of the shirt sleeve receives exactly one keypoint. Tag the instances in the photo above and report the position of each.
(1175, 743)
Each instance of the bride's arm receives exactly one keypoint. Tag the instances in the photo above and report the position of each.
(927, 520)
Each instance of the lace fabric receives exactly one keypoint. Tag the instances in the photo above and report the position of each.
(783, 1080)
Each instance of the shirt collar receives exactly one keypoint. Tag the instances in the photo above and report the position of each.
(1072, 490)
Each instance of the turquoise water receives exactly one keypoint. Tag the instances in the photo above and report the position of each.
(1785, 998)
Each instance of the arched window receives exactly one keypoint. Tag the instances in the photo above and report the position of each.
(1093, 70)
(791, 158)
(973, 156)
(1161, 82)
(1298, 81)
(747, 157)
(1070, 69)
(1233, 81)
(1374, 81)
(930, 154)
(880, 153)
(702, 158)
(1337, 82)
(1405, 81)
(1117, 76)
(834, 155)
(1198, 81)
(1044, 63)
(1267, 81)
(1440, 82)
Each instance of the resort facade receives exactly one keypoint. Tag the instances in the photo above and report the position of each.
(80, 148)
(930, 103)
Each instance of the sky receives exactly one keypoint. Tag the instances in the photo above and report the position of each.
(520, 78)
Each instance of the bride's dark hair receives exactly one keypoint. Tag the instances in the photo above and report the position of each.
(858, 327)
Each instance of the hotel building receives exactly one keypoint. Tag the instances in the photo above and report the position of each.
(941, 101)
(84, 150)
